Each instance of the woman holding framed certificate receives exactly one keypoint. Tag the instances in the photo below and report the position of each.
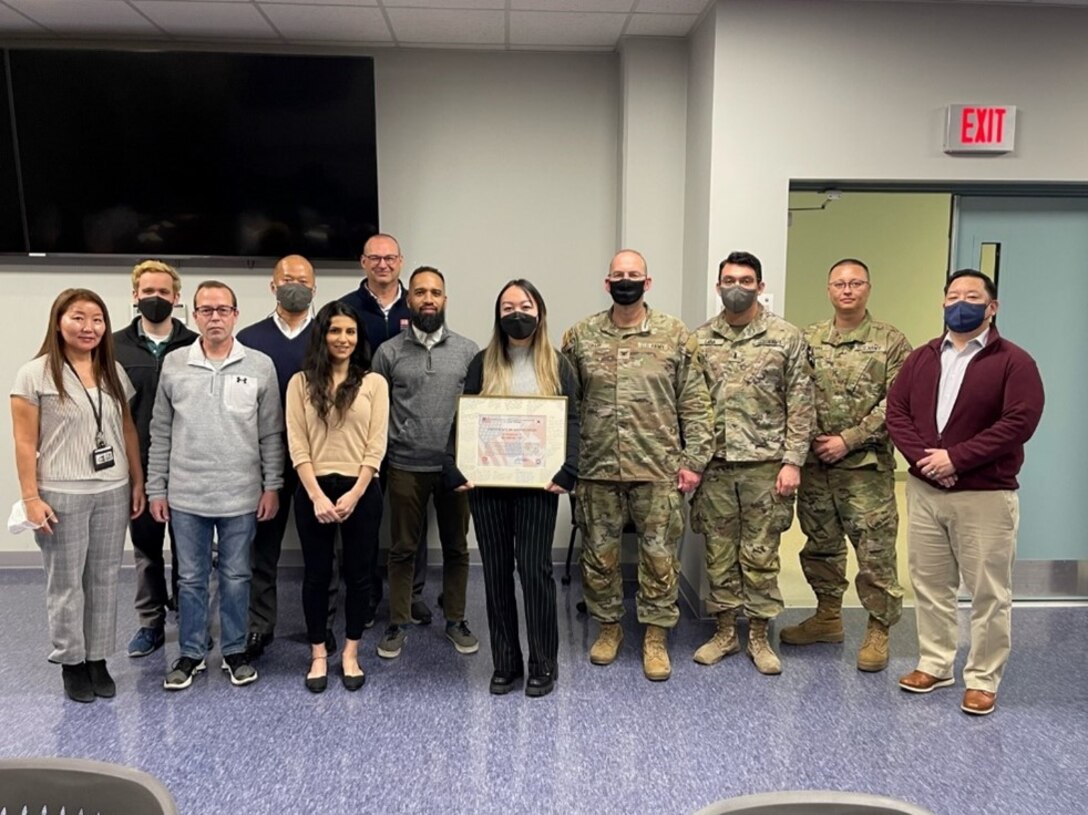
(515, 525)
(337, 418)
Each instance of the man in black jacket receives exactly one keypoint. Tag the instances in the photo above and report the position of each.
(381, 301)
(140, 348)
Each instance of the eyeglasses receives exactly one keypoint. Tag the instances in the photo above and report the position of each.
(743, 282)
(376, 259)
(853, 285)
(626, 276)
(208, 311)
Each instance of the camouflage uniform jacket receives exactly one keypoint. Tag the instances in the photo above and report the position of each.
(644, 404)
(761, 388)
(853, 372)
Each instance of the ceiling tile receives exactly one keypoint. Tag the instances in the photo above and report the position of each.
(572, 5)
(85, 16)
(218, 20)
(318, 2)
(444, 26)
(661, 25)
(446, 4)
(329, 23)
(12, 22)
(672, 6)
(565, 28)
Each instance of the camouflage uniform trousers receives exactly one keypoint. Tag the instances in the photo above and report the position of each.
(743, 519)
(655, 509)
(834, 502)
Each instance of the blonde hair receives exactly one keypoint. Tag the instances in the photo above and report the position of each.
(145, 266)
(497, 367)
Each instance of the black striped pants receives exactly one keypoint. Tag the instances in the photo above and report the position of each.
(515, 526)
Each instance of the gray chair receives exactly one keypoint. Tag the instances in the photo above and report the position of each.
(77, 784)
(812, 802)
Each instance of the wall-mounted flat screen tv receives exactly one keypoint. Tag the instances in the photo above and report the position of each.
(193, 153)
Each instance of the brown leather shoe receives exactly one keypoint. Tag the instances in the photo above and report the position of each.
(978, 702)
(921, 682)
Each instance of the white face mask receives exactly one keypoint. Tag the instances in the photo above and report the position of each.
(17, 521)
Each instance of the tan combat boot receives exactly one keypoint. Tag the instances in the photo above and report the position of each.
(655, 654)
(873, 655)
(823, 626)
(723, 643)
(759, 649)
(607, 646)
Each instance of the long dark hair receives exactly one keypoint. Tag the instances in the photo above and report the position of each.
(318, 366)
(102, 359)
(497, 374)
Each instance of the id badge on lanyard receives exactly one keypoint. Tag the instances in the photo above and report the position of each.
(102, 457)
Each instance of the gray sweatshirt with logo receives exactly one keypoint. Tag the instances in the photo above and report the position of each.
(216, 433)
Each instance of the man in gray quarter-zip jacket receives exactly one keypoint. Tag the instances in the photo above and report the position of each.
(214, 469)
(426, 367)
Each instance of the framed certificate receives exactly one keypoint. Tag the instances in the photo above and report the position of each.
(511, 441)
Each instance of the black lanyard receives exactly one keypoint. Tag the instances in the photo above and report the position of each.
(99, 439)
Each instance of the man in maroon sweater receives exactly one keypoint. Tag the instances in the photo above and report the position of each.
(960, 411)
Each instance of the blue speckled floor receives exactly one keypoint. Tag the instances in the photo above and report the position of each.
(425, 736)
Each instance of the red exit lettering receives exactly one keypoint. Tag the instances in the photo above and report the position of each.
(982, 126)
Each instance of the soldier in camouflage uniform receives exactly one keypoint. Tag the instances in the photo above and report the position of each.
(758, 370)
(646, 437)
(848, 483)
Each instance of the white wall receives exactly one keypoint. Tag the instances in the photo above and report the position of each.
(856, 91)
(654, 85)
(491, 166)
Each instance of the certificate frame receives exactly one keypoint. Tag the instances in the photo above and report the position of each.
(511, 441)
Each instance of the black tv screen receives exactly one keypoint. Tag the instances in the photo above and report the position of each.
(189, 153)
(11, 218)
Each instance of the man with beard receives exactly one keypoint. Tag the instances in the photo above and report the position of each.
(758, 370)
(284, 336)
(646, 436)
(426, 368)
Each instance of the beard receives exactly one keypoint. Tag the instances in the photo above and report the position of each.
(428, 323)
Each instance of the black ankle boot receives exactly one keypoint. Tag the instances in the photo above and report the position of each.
(101, 680)
(77, 682)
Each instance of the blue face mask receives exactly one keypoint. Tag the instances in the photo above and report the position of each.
(963, 317)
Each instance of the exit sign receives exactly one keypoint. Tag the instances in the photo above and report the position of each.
(980, 129)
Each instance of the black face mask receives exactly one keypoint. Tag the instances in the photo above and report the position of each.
(155, 309)
(518, 325)
(626, 292)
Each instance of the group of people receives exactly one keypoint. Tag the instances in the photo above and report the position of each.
(332, 412)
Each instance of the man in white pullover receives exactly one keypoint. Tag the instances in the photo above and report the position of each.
(214, 469)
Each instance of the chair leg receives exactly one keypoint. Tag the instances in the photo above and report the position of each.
(570, 554)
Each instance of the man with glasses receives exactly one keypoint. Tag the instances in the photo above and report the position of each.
(284, 337)
(848, 483)
(758, 371)
(215, 466)
(382, 302)
(646, 436)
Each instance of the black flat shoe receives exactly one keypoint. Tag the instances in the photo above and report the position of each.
(353, 683)
(540, 685)
(101, 681)
(504, 682)
(77, 682)
(317, 684)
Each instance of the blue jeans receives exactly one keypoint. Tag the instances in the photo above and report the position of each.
(193, 539)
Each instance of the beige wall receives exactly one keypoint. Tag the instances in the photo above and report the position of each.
(903, 237)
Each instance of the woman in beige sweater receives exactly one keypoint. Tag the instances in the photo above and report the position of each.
(337, 417)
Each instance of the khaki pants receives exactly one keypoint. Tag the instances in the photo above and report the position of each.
(969, 535)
